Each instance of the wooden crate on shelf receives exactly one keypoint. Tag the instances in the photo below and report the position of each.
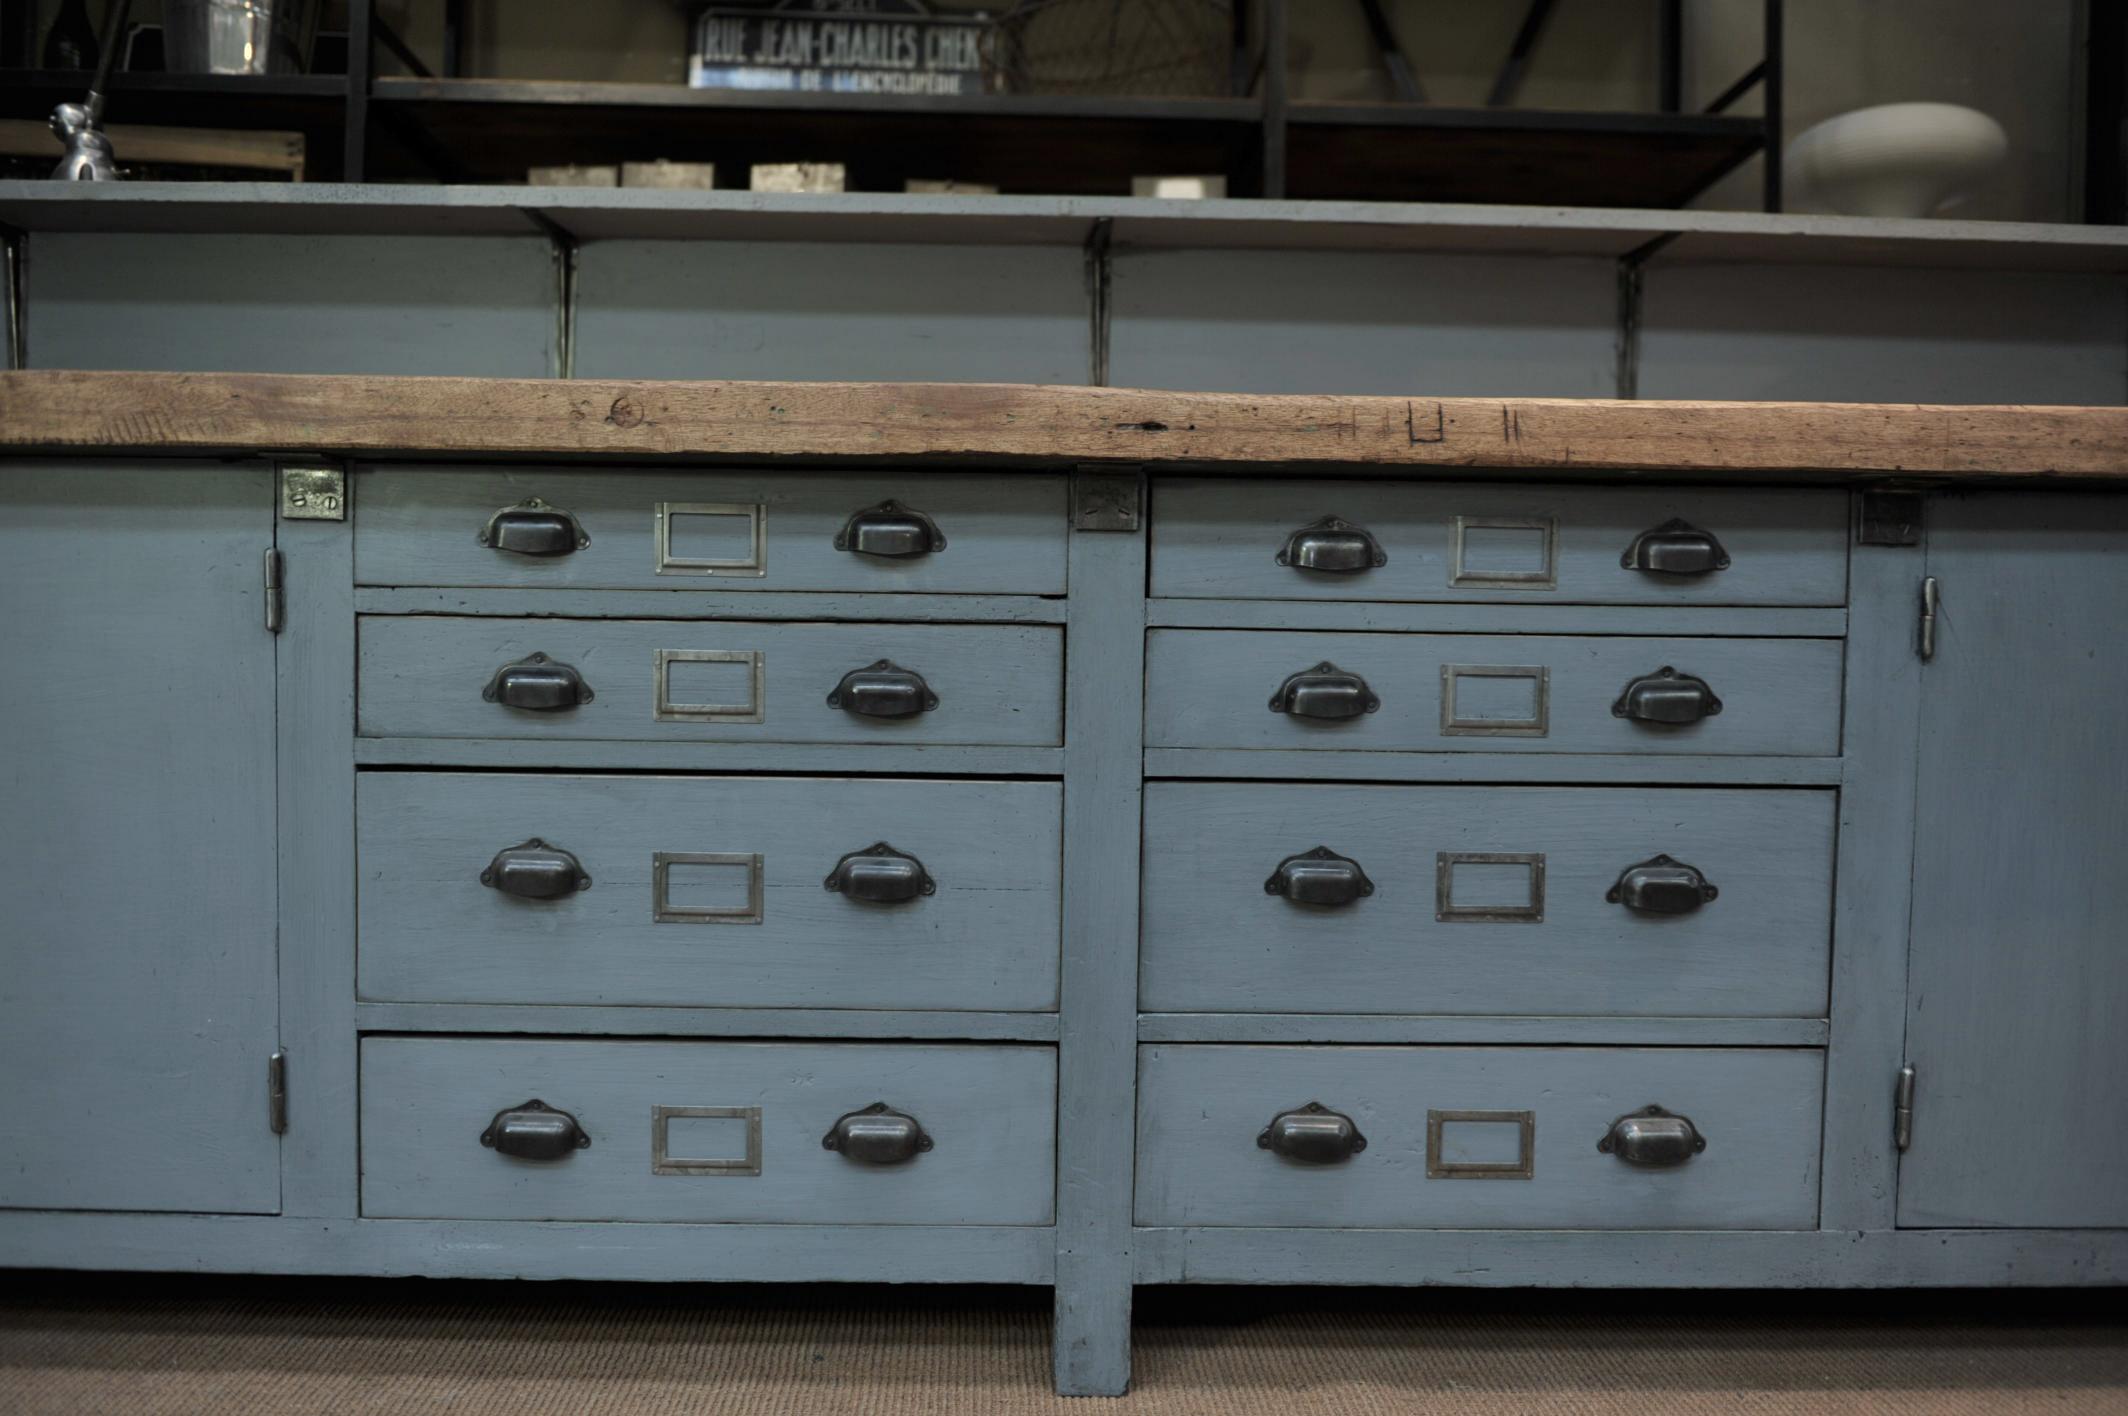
(147, 147)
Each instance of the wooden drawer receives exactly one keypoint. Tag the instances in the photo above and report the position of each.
(710, 681)
(705, 1132)
(706, 530)
(706, 891)
(1493, 693)
(1487, 900)
(1478, 1137)
(1223, 538)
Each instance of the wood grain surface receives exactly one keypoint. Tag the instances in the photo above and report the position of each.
(1048, 425)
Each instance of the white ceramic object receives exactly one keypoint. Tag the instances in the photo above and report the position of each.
(1897, 159)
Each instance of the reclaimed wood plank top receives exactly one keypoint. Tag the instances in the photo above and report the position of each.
(1046, 426)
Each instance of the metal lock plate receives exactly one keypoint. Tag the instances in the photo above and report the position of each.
(313, 494)
(1104, 500)
(1886, 518)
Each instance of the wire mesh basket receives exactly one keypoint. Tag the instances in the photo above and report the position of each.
(1146, 48)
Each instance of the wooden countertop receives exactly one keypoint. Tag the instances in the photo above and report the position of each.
(1047, 426)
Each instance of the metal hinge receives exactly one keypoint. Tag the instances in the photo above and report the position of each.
(1927, 644)
(1105, 499)
(276, 597)
(1903, 1109)
(277, 1092)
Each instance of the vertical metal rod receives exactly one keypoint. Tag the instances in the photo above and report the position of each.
(562, 245)
(565, 258)
(1632, 290)
(1100, 272)
(114, 32)
(1670, 48)
(2105, 106)
(361, 45)
(1274, 99)
(1629, 291)
(1771, 92)
(454, 38)
(12, 245)
(1238, 73)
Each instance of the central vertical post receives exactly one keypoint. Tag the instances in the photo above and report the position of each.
(1104, 679)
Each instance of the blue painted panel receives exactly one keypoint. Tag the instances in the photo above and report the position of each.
(820, 310)
(137, 980)
(1346, 322)
(293, 304)
(1850, 334)
(2018, 974)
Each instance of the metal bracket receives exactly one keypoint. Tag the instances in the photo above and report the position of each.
(1885, 518)
(313, 493)
(1104, 499)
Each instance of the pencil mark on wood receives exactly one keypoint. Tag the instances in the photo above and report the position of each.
(1416, 432)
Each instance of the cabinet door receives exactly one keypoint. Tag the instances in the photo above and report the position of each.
(137, 964)
(2017, 998)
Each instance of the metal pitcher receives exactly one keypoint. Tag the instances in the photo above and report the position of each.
(239, 36)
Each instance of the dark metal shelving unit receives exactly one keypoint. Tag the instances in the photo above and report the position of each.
(369, 126)
(314, 105)
(493, 129)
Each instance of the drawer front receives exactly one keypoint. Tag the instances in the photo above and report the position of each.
(1492, 693)
(707, 1132)
(1256, 540)
(710, 531)
(1478, 1137)
(707, 891)
(710, 681)
(1499, 900)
